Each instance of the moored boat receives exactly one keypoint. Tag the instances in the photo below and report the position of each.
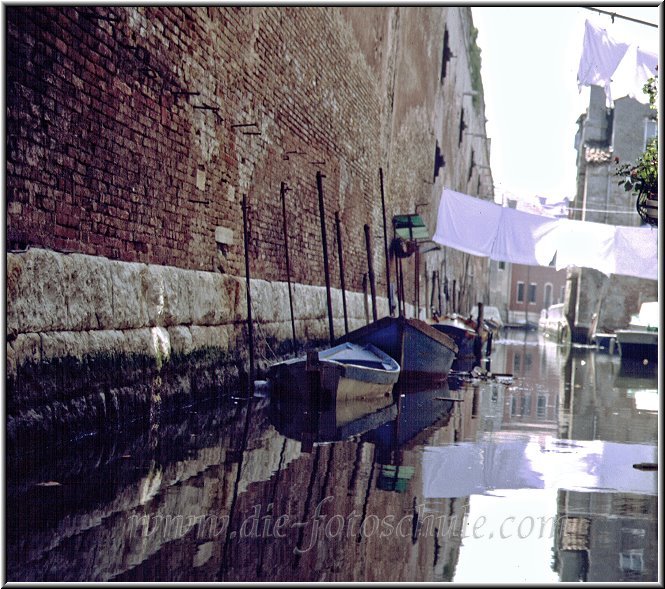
(347, 371)
(420, 350)
(640, 340)
(458, 329)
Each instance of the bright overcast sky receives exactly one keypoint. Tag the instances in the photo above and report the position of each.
(530, 57)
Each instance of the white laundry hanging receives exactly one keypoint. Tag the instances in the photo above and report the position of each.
(483, 228)
(620, 68)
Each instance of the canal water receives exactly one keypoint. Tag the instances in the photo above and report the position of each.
(529, 479)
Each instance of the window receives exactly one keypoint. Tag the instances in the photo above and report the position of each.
(471, 165)
(547, 299)
(502, 265)
(447, 54)
(520, 292)
(462, 126)
(632, 560)
(532, 293)
(650, 130)
(541, 408)
(439, 162)
(562, 295)
(528, 362)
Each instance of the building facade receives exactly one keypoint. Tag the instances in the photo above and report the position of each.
(603, 135)
(532, 289)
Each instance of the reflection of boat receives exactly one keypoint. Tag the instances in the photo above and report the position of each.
(419, 407)
(634, 374)
(640, 340)
(346, 371)
(421, 350)
(320, 422)
(459, 330)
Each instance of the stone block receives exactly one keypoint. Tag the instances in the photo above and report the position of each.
(88, 292)
(167, 295)
(211, 337)
(65, 344)
(130, 306)
(223, 236)
(232, 298)
(309, 302)
(207, 297)
(36, 299)
(181, 339)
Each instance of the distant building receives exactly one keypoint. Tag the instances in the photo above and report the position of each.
(530, 289)
(603, 135)
(533, 288)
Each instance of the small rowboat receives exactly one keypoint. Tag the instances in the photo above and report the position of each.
(345, 372)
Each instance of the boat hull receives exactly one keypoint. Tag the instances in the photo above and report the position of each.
(466, 340)
(421, 351)
(330, 375)
(638, 344)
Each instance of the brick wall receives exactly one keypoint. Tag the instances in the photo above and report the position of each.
(133, 132)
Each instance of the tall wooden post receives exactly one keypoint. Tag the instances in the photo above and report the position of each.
(324, 242)
(250, 324)
(385, 244)
(370, 270)
(341, 269)
(282, 194)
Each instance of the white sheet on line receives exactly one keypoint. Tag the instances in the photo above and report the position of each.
(483, 228)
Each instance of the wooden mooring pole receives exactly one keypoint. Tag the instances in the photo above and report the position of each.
(370, 270)
(324, 242)
(282, 194)
(338, 226)
(250, 325)
(385, 244)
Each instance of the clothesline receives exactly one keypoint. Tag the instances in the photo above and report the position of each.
(483, 228)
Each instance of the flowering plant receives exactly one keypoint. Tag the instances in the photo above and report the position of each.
(641, 177)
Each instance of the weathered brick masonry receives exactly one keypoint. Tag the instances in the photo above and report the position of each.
(133, 133)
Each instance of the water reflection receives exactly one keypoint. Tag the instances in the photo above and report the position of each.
(418, 487)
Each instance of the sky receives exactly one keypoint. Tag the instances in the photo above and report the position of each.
(530, 57)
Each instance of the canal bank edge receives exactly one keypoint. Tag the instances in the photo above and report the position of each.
(94, 343)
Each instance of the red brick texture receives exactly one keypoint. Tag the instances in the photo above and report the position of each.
(132, 132)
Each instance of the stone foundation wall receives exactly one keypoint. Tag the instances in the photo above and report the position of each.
(94, 343)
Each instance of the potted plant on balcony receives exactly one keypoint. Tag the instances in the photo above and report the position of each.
(641, 177)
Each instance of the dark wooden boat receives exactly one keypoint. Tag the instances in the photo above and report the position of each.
(466, 339)
(420, 350)
(348, 371)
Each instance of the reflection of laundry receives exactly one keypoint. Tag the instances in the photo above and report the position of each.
(499, 463)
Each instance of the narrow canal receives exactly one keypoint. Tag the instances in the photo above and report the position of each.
(530, 479)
